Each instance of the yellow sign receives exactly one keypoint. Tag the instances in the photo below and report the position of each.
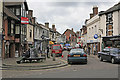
(50, 42)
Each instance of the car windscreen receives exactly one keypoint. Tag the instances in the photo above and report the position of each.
(56, 47)
(115, 51)
(77, 51)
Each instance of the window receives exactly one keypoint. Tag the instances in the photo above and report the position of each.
(109, 17)
(30, 33)
(12, 28)
(17, 11)
(17, 29)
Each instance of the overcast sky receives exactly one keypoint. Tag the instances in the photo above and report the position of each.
(66, 14)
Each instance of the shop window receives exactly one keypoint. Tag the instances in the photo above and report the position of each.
(109, 44)
(117, 44)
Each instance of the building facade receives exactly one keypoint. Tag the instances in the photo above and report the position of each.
(1, 23)
(93, 26)
(110, 26)
(20, 10)
(8, 45)
(71, 37)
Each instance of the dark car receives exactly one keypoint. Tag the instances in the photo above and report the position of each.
(110, 54)
(77, 56)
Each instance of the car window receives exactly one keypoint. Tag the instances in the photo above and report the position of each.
(106, 50)
(115, 51)
(56, 47)
(77, 51)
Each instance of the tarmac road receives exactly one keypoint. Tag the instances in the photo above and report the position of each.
(94, 69)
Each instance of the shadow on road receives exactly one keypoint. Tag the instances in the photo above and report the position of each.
(78, 64)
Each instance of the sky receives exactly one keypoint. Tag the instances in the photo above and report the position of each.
(66, 14)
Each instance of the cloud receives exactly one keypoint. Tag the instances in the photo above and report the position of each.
(65, 14)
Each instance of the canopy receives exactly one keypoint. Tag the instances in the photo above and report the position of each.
(67, 44)
(50, 42)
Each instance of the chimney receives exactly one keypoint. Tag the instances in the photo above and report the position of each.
(47, 24)
(30, 13)
(95, 10)
(72, 29)
(33, 20)
(53, 27)
(91, 15)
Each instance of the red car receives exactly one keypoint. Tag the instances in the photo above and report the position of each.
(57, 49)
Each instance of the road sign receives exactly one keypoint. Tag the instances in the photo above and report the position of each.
(95, 36)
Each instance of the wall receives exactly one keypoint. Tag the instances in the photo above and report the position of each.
(102, 27)
(29, 27)
(115, 23)
(93, 26)
(119, 22)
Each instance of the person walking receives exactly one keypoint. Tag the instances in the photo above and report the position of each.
(47, 51)
(89, 50)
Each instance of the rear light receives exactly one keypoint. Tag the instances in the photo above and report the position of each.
(69, 55)
(85, 55)
(53, 51)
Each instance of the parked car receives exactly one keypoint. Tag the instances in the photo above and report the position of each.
(57, 49)
(77, 56)
(110, 54)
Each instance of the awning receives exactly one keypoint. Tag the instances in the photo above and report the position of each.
(50, 42)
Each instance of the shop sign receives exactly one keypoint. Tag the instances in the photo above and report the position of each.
(113, 39)
(24, 20)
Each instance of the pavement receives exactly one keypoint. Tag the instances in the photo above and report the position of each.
(10, 64)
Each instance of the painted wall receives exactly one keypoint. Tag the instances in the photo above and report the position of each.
(115, 23)
(29, 27)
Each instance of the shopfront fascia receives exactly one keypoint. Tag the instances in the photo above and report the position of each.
(113, 41)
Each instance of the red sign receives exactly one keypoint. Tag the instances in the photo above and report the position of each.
(24, 20)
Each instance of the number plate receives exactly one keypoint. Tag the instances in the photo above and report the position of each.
(56, 51)
(76, 55)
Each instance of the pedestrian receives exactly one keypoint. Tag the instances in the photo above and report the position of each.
(89, 50)
(47, 51)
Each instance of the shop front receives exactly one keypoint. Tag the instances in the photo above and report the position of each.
(111, 41)
(94, 46)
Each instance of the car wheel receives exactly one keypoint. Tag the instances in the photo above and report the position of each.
(113, 60)
(101, 58)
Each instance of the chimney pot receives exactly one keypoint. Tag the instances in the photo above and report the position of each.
(72, 29)
(47, 24)
(30, 13)
(95, 10)
(91, 15)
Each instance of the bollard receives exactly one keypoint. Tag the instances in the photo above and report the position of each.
(53, 56)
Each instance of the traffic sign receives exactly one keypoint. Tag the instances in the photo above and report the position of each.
(95, 36)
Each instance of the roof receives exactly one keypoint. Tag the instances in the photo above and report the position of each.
(17, 3)
(112, 9)
(72, 32)
(10, 14)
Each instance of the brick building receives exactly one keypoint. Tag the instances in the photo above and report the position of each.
(71, 37)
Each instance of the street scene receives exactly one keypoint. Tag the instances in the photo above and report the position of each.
(59, 39)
